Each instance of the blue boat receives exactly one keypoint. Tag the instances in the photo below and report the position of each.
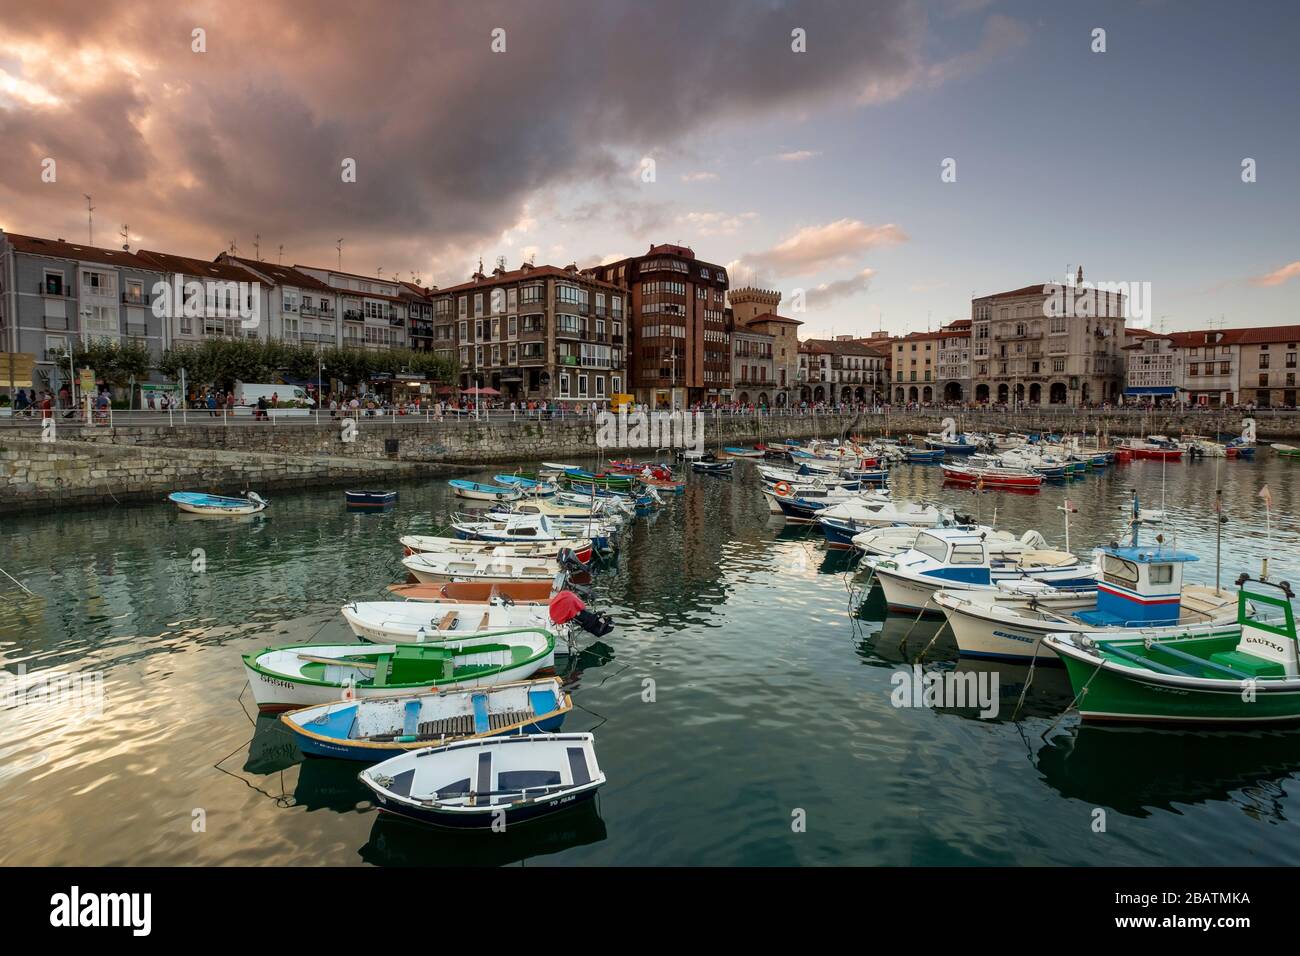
(530, 486)
(198, 503)
(476, 491)
(923, 455)
(370, 499)
(376, 728)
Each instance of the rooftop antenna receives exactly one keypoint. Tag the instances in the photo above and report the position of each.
(126, 237)
(234, 247)
(90, 220)
(257, 246)
(339, 247)
(379, 272)
(501, 263)
(279, 259)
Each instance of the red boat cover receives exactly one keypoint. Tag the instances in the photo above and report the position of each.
(565, 606)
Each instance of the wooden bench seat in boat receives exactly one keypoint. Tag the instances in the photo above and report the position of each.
(1051, 559)
(461, 725)
(448, 621)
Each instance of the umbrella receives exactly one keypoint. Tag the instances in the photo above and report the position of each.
(480, 391)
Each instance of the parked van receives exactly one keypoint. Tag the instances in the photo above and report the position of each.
(247, 393)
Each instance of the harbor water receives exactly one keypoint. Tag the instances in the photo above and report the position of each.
(743, 707)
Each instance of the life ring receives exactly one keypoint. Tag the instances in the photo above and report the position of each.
(783, 489)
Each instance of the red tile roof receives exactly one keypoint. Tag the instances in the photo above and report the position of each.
(184, 265)
(283, 275)
(837, 347)
(58, 248)
(1266, 335)
(1014, 293)
(773, 317)
(530, 272)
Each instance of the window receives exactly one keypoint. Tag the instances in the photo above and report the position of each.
(460, 305)
(1117, 570)
(931, 546)
(478, 304)
(531, 293)
(564, 385)
(600, 386)
(1162, 573)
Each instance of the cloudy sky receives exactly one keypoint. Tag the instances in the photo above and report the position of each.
(606, 125)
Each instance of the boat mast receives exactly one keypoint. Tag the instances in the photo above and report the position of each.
(1218, 529)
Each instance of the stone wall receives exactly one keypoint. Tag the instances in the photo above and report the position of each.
(36, 475)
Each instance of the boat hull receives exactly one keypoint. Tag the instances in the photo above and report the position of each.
(485, 818)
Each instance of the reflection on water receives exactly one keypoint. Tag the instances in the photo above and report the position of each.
(771, 674)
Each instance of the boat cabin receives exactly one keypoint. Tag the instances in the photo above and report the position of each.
(1138, 587)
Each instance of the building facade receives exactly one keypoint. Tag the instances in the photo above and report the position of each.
(679, 348)
(1152, 368)
(753, 368)
(298, 308)
(1038, 345)
(1209, 366)
(842, 371)
(756, 310)
(538, 333)
(932, 367)
(1268, 365)
(372, 309)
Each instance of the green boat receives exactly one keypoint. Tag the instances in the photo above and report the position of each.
(1244, 673)
(1286, 451)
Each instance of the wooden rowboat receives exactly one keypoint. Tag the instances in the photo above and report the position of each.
(476, 592)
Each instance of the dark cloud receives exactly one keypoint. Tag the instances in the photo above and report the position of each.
(450, 139)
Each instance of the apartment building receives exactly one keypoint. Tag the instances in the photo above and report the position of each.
(419, 316)
(372, 308)
(679, 349)
(841, 370)
(1047, 343)
(298, 307)
(1268, 365)
(232, 305)
(755, 310)
(932, 366)
(1152, 368)
(57, 295)
(536, 333)
(1208, 366)
(753, 367)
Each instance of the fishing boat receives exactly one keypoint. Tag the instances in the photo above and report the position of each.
(959, 559)
(841, 522)
(529, 486)
(1138, 449)
(198, 503)
(887, 542)
(417, 622)
(923, 456)
(577, 478)
(513, 526)
(302, 674)
(951, 446)
(770, 476)
(370, 499)
(479, 592)
(803, 504)
(709, 465)
(743, 452)
(1286, 451)
(436, 568)
(1247, 672)
(993, 477)
(431, 544)
(479, 783)
(1139, 587)
(377, 728)
(553, 469)
(477, 491)
(567, 505)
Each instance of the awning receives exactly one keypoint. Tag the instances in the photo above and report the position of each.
(480, 391)
(1151, 390)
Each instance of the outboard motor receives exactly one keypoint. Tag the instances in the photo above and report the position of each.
(569, 561)
(567, 606)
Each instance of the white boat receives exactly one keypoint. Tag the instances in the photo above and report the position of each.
(961, 559)
(433, 544)
(479, 491)
(1139, 588)
(886, 542)
(379, 727)
(285, 677)
(482, 783)
(417, 622)
(840, 522)
(436, 567)
(198, 503)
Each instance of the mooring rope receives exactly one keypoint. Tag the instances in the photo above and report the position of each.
(1078, 697)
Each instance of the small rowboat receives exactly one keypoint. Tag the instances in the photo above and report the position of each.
(1286, 451)
(477, 491)
(923, 456)
(197, 503)
(379, 727)
(993, 477)
(370, 499)
(285, 677)
(415, 622)
(429, 544)
(476, 592)
(478, 783)
(743, 452)
(438, 567)
(529, 486)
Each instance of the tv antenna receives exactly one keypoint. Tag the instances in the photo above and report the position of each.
(126, 237)
(339, 247)
(90, 220)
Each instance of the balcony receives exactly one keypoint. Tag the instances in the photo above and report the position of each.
(58, 291)
(352, 315)
(131, 298)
